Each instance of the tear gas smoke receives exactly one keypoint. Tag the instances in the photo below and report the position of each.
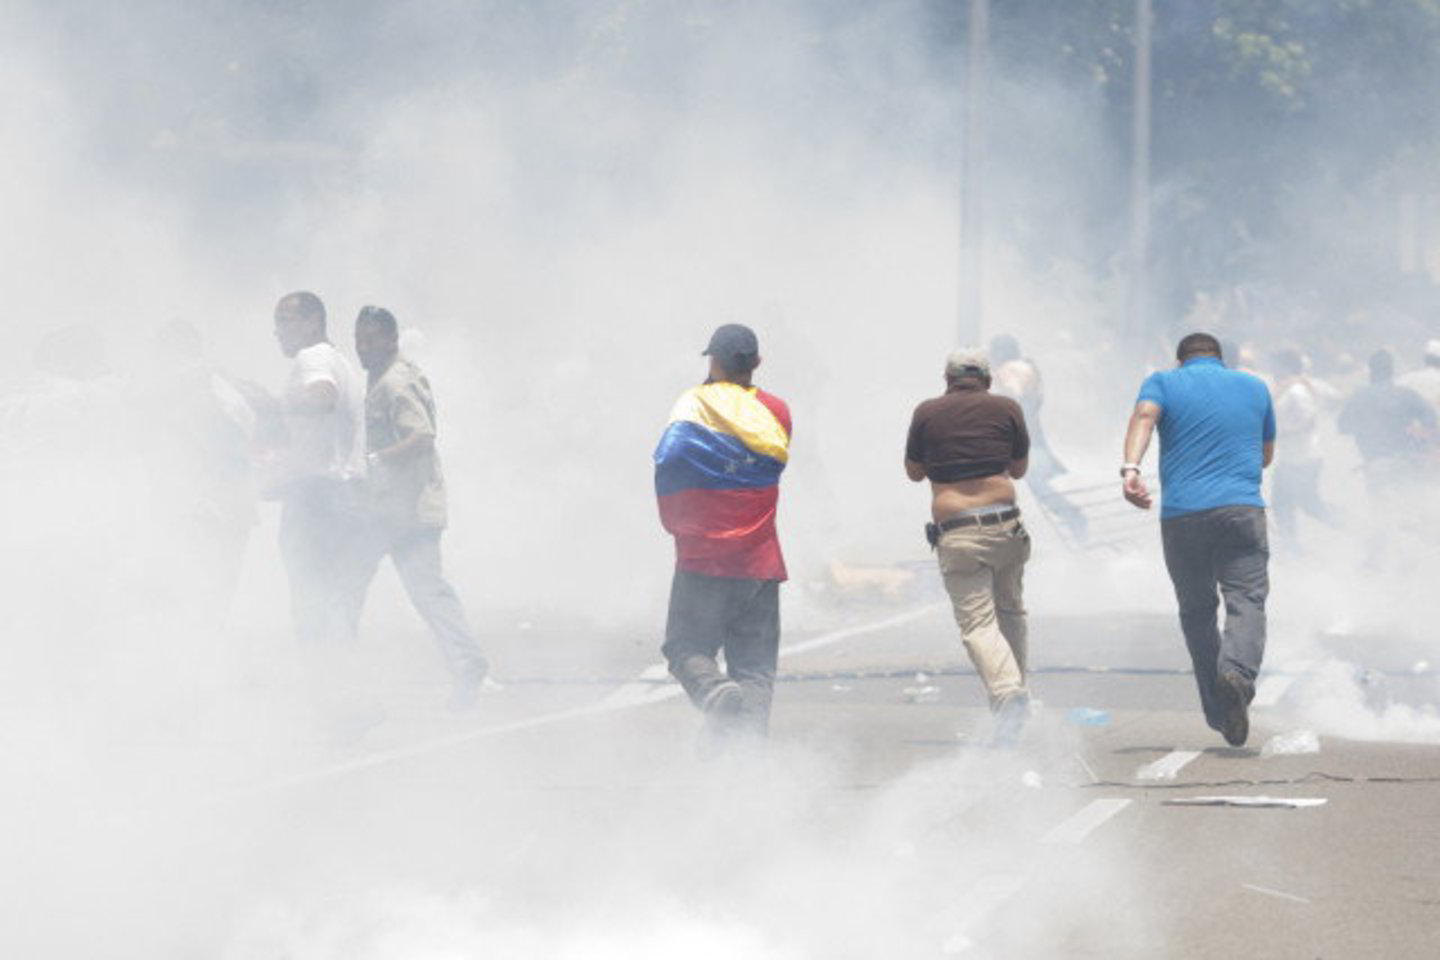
(559, 201)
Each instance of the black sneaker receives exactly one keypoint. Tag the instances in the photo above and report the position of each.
(725, 700)
(722, 707)
(1235, 693)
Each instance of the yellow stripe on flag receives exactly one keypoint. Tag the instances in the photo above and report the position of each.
(734, 410)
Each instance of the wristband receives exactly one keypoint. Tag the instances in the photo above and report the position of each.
(1127, 467)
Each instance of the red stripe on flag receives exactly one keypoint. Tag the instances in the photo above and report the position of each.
(725, 533)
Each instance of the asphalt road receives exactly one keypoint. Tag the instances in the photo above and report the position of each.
(567, 815)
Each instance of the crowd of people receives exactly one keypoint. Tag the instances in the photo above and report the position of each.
(153, 478)
(1390, 420)
(1219, 426)
(350, 455)
(354, 464)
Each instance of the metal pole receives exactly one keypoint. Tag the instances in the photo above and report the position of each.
(1140, 176)
(972, 177)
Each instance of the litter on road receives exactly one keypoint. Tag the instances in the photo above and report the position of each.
(1292, 744)
(926, 694)
(1088, 717)
(1293, 802)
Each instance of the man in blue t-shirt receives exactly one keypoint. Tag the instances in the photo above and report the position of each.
(1217, 435)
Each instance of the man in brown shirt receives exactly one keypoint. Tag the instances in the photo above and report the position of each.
(972, 445)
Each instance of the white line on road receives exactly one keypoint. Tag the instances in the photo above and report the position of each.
(979, 902)
(991, 892)
(644, 690)
(835, 636)
(1275, 685)
(648, 687)
(1167, 766)
(1274, 893)
(1079, 826)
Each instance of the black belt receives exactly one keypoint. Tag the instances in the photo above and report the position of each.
(979, 519)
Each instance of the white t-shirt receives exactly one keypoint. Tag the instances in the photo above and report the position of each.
(1426, 382)
(330, 444)
(1297, 413)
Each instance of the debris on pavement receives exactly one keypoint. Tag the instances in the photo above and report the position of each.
(923, 694)
(855, 580)
(1292, 744)
(1088, 717)
(1296, 803)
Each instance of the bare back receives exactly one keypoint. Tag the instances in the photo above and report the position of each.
(948, 499)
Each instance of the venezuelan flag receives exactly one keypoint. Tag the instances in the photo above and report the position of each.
(717, 475)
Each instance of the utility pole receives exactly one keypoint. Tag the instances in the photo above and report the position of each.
(972, 177)
(1139, 256)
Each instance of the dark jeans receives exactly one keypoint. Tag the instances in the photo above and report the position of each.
(1226, 547)
(416, 555)
(740, 617)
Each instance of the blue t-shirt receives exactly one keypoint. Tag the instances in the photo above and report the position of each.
(1213, 425)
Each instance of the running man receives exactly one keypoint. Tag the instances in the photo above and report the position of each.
(1217, 434)
(972, 445)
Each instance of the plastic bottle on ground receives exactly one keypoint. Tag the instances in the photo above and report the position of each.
(1088, 717)
(1291, 744)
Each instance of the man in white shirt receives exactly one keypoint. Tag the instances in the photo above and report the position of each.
(1298, 464)
(318, 475)
(1426, 380)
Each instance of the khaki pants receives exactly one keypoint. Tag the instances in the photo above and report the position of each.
(984, 569)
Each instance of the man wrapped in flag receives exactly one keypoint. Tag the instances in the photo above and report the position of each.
(717, 476)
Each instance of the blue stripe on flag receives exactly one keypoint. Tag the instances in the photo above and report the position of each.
(691, 457)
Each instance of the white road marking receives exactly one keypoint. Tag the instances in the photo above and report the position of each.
(992, 891)
(1078, 827)
(1274, 893)
(1167, 766)
(981, 900)
(835, 636)
(1273, 687)
(422, 749)
(648, 687)
(643, 691)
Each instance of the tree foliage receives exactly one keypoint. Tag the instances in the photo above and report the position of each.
(1271, 118)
